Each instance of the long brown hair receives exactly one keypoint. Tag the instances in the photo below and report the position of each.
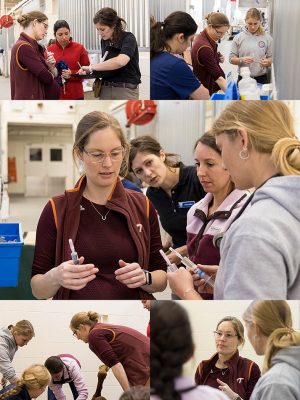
(108, 16)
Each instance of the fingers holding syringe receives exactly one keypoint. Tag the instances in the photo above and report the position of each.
(130, 274)
(76, 277)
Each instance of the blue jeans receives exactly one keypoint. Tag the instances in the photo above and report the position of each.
(73, 390)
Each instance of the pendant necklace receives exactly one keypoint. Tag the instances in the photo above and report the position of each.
(103, 217)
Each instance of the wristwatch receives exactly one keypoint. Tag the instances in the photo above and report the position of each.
(148, 276)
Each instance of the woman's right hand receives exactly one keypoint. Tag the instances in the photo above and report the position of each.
(75, 277)
(199, 283)
(247, 60)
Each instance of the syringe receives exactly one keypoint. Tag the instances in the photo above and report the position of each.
(171, 267)
(190, 265)
(74, 254)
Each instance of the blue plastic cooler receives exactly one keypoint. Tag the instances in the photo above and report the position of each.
(10, 253)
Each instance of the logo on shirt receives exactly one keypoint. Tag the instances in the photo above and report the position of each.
(82, 208)
(261, 44)
(239, 380)
(185, 204)
(140, 227)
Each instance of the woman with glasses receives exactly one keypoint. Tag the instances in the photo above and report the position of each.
(227, 370)
(270, 330)
(171, 347)
(253, 48)
(173, 187)
(32, 77)
(170, 77)
(123, 349)
(205, 55)
(115, 230)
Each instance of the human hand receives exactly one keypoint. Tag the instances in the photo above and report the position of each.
(221, 58)
(74, 277)
(264, 62)
(226, 389)
(50, 60)
(247, 60)
(181, 282)
(66, 73)
(130, 274)
(200, 283)
(173, 258)
(3, 382)
(81, 71)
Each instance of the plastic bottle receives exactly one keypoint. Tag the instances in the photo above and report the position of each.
(248, 86)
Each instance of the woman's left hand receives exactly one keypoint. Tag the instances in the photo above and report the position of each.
(226, 389)
(66, 73)
(130, 274)
(221, 58)
(265, 62)
(180, 282)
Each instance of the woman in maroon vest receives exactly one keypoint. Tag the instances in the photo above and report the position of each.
(227, 370)
(123, 349)
(205, 56)
(32, 77)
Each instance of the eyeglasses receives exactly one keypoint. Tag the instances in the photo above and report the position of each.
(75, 333)
(100, 156)
(219, 334)
(46, 26)
(219, 33)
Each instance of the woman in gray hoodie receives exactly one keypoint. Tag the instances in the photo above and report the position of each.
(11, 338)
(270, 331)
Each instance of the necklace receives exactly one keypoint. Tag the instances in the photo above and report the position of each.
(103, 217)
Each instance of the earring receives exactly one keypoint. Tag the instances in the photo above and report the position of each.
(244, 154)
(81, 167)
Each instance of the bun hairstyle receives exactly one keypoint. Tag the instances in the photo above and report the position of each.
(25, 19)
(274, 319)
(171, 346)
(33, 378)
(270, 128)
(108, 16)
(90, 318)
(161, 32)
(217, 20)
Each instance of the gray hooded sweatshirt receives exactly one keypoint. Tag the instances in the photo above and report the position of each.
(260, 252)
(8, 347)
(282, 381)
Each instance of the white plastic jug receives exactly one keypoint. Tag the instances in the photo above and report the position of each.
(248, 86)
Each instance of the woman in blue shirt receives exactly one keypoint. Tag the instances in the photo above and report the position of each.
(170, 76)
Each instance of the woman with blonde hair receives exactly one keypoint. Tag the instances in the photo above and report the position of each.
(11, 338)
(253, 48)
(270, 331)
(31, 385)
(32, 76)
(123, 349)
(259, 252)
(205, 55)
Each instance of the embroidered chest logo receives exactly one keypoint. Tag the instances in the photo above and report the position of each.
(239, 380)
(82, 208)
(261, 44)
(140, 227)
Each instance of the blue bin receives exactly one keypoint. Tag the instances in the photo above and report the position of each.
(232, 93)
(10, 254)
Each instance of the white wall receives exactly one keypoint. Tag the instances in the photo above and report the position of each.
(205, 315)
(53, 336)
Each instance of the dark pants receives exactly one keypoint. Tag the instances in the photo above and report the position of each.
(263, 79)
(73, 390)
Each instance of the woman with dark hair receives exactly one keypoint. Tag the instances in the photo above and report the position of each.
(120, 50)
(32, 77)
(170, 77)
(226, 370)
(172, 346)
(205, 55)
(115, 230)
(173, 187)
(68, 55)
(270, 330)
(253, 48)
